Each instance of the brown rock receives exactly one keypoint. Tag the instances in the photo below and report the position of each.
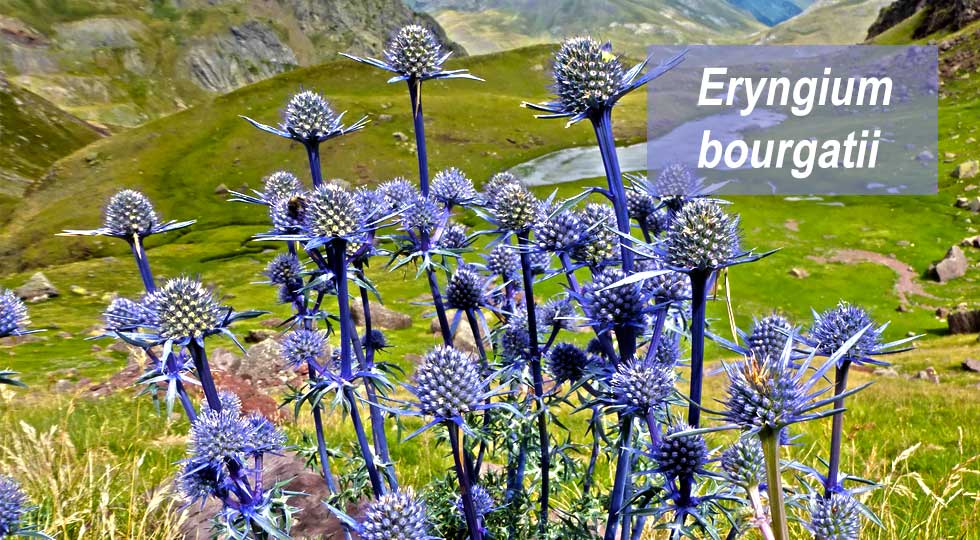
(942, 312)
(799, 273)
(964, 321)
(928, 374)
(381, 317)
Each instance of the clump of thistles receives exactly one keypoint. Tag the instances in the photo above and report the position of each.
(129, 213)
(702, 237)
(448, 383)
(184, 308)
(395, 516)
(587, 74)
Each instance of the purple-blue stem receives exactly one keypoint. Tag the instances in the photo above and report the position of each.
(204, 374)
(604, 339)
(418, 122)
(622, 476)
(596, 423)
(139, 253)
(465, 486)
(699, 301)
(339, 256)
(602, 123)
(313, 157)
(538, 379)
(837, 428)
(444, 327)
(478, 339)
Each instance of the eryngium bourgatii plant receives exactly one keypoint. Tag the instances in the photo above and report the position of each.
(496, 399)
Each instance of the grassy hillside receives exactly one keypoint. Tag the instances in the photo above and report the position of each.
(825, 21)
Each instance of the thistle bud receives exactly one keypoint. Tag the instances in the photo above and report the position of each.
(562, 232)
(309, 116)
(289, 213)
(466, 289)
(301, 346)
(641, 385)
(491, 189)
(768, 337)
(744, 463)
(453, 237)
(448, 382)
(452, 187)
(280, 185)
(515, 208)
(587, 74)
(398, 192)
(483, 503)
(567, 362)
(681, 456)
(13, 505)
(283, 269)
(600, 241)
(623, 304)
(218, 436)
(702, 237)
(834, 327)
(414, 51)
(122, 314)
(504, 262)
(129, 213)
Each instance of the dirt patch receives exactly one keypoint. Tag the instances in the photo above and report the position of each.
(906, 284)
(792, 225)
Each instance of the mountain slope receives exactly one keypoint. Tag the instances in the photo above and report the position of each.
(491, 25)
(772, 12)
(123, 62)
(826, 22)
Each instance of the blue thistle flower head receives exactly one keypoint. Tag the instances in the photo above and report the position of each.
(309, 119)
(466, 289)
(283, 269)
(514, 341)
(217, 436)
(395, 515)
(198, 480)
(129, 215)
(124, 314)
(229, 402)
(769, 335)
(607, 306)
(263, 436)
(562, 232)
(332, 212)
(184, 309)
(744, 463)
(288, 215)
(671, 286)
(13, 505)
(557, 314)
(504, 262)
(372, 202)
(492, 187)
(515, 208)
(676, 180)
(375, 340)
(589, 79)
(832, 328)
(280, 185)
(453, 237)
(452, 187)
(641, 386)
(837, 517)
(678, 456)
(301, 346)
(668, 351)
(398, 192)
(567, 362)
(702, 237)
(421, 214)
(414, 51)
(482, 501)
(14, 319)
(448, 383)
(600, 243)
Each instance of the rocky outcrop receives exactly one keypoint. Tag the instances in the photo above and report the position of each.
(381, 317)
(964, 321)
(245, 54)
(939, 15)
(37, 288)
(952, 266)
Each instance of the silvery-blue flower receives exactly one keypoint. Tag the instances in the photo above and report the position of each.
(398, 192)
(448, 383)
(639, 387)
(398, 515)
(703, 237)
(332, 212)
(283, 269)
(288, 215)
(492, 187)
(483, 502)
(667, 285)
(263, 436)
(375, 340)
(279, 185)
(561, 232)
(453, 237)
(600, 241)
(310, 119)
(13, 505)
(769, 335)
(414, 54)
(183, 308)
(218, 436)
(680, 455)
(514, 341)
(832, 328)
(452, 187)
(229, 402)
(514, 208)
(14, 319)
(557, 314)
(504, 262)
(589, 79)
(129, 215)
(466, 289)
(743, 463)
(837, 517)
(421, 214)
(607, 304)
(302, 346)
(124, 314)
(566, 362)
(200, 480)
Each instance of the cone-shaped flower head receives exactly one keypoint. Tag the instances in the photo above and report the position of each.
(515, 341)
(13, 314)
(398, 192)
(676, 180)
(515, 208)
(448, 383)
(218, 436)
(681, 456)
(372, 202)
(200, 480)
(332, 212)
(562, 232)
(668, 351)
(301, 346)
(289, 213)
(414, 52)
(835, 326)
(641, 386)
(283, 268)
(421, 214)
(744, 463)
(668, 287)
(483, 503)
(452, 187)
(466, 289)
(184, 308)
(600, 241)
(642, 207)
(491, 189)
(263, 436)
(608, 306)
(702, 237)
(504, 261)
(557, 314)
(229, 402)
(769, 335)
(375, 340)
(396, 515)
(280, 185)
(837, 517)
(13, 504)
(567, 362)
(587, 74)
(123, 314)
(309, 117)
(129, 213)
(454, 236)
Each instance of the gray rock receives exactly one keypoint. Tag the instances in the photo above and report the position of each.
(245, 54)
(972, 364)
(63, 385)
(381, 317)
(221, 359)
(952, 266)
(99, 33)
(37, 288)
(886, 372)
(799, 273)
(262, 361)
(964, 321)
(400, 136)
(928, 374)
(967, 169)
(220, 189)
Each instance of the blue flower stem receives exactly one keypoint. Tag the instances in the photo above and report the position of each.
(777, 506)
(204, 374)
(321, 443)
(602, 123)
(626, 518)
(478, 339)
(566, 265)
(418, 122)
(623, 451)
(339, 256)
(699, 301)
(537, 378)
(313, 157)
(465, 486)
(444, 327)
(139, 253)
(837, 428)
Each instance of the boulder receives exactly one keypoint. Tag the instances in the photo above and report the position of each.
(964, 321)
(259, 335)
(37, 288)
(971, 364)
(262, 361)
(462, 339)
(221, 189)
(967, 169)
(952, 266)
(221, 359)
(381, 317)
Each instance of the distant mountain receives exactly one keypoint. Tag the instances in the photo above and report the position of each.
(932, 16)
(123, 62)
(490, 25)
(772, 12)
(825, 22)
